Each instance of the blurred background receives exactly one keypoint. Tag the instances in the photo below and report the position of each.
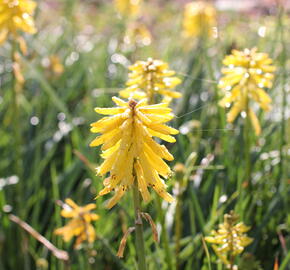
(77, 60)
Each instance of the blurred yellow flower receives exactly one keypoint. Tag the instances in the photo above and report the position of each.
(148, 78)
(16, 15)
(80, 225)
(55, 64)
(245, 76)
(137, 34)
(230, 239)
(17, 69)
(128, 7)
(199, 19)
(130, 152)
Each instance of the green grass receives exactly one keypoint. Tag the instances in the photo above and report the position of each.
(85, 35)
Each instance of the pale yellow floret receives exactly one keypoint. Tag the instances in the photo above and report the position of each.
(164, 129)
(154, 180)
(162, 136)
(255, 122)
(109, 111)
(161, 149)
(156, 162)
(105, 137)
(141, 181)
(107, 124)
(119, 102)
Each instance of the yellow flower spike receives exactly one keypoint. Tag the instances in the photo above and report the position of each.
(80, 223)
(130, 152)
(245, 76)
(199, 19)
(151, 77)
(230, 239)
(16, 15)
(128, 8)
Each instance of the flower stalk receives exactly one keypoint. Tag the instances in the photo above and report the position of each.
(247, 140)
(16, 124)
(139, 240)
(164, 235)
(181, 182)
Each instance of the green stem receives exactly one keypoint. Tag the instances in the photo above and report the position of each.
(18, 165)
(246, 178)
(209, 67)
(16, 130)
(232, 262)
(88, 247)
(140, 246)
(164, 235)
(283, 59)
(247, 141)
(231, 242)
(178, 228)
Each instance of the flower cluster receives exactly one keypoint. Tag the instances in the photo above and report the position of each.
(128, 7)
(130, 152)
(245, 76)
(230, 239)
(148, 78)
(16, 15)
(199, 19)
(80, 225)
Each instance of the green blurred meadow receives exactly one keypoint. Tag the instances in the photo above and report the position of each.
(78, 60)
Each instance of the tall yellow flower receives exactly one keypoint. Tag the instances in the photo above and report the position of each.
(80, 225)
(199, 19)
(130, 152)
(148, 78)
(128, 7)
(230, 239)
(16, 15)
(245, 76)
